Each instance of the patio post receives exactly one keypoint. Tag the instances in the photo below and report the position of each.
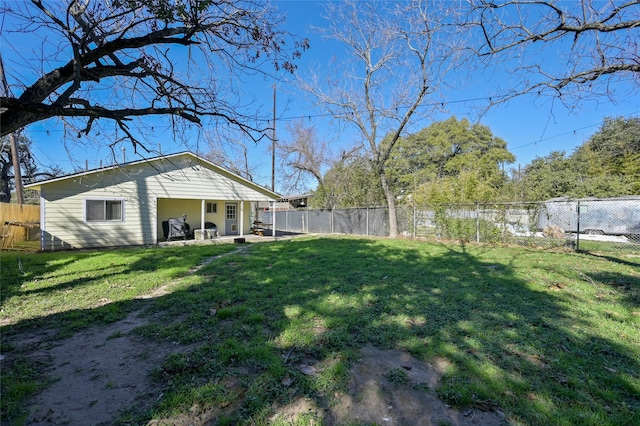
(273, 219)
(241, 218)
(203, 209)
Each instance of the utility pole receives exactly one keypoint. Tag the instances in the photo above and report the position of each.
(273, 144)
(15, 157)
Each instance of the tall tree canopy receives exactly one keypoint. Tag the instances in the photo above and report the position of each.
(559, 175)
(127, 59)
(613, 150)
(450, 161)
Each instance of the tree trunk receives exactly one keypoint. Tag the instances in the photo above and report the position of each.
(391, 204)
(5, 185)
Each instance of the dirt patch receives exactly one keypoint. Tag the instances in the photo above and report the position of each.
(390, 387)
(101, 372)
(97, 373)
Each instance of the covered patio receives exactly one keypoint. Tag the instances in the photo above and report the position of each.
(206, 219)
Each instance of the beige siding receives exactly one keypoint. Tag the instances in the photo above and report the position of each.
(152, 192)
(64, 218)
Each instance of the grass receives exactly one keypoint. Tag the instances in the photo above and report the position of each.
(398, 376)
(546, 337)
(632, 246)
(22, 380)
(82, 288)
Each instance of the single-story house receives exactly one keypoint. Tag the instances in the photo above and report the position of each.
(126, 204)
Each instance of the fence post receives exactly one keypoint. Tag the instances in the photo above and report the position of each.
(332, 219)
(578, 227)
(477, 223)
(415, 233)
(273, 219)
(367, 230)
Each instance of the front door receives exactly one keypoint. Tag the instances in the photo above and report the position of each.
(231, 219)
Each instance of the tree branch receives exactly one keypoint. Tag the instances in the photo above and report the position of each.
(121, 45)
(592, 43)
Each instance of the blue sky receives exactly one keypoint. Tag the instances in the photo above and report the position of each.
(532, 127)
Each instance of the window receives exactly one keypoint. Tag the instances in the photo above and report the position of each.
(231, 212)
(104, 210)
(212, 207)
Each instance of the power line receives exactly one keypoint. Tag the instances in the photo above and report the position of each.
(568, 133)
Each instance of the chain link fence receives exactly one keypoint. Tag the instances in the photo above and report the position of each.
(372, 221)
(585, 224)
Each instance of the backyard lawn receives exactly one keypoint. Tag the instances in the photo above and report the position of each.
(535, 337)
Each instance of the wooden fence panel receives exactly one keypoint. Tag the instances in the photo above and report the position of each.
(18, 222)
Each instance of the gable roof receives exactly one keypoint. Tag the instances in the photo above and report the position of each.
(215, 167)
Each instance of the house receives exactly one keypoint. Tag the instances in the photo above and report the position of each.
(127, 204)
(292, 202)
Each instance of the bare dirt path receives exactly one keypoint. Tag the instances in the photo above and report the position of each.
(98, 373)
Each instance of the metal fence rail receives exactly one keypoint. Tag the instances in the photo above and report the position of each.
(584, 224)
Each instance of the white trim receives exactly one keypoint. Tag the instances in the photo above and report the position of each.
(43, 219)
(154, 220)
(203, 210)
(123, 218)
(241, 218)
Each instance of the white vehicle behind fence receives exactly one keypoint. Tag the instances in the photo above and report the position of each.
(596, 216)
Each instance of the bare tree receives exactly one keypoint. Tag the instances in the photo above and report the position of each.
(125, 60)
(303, 155)
(399, 55)
(571, 49)
(306, 157)
(231, 153)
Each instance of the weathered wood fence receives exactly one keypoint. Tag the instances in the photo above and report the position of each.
(18, 222)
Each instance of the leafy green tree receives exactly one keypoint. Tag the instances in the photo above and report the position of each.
(613, 151)
(550, 176)
(467, 187)
(557, 175)
(450, 161)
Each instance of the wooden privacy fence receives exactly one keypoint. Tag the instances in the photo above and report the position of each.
(18, 222)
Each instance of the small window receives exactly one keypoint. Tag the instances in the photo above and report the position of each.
(212, 207)
(231, 212)
(104, 210)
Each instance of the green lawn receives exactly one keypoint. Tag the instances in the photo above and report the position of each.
(545, 337)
